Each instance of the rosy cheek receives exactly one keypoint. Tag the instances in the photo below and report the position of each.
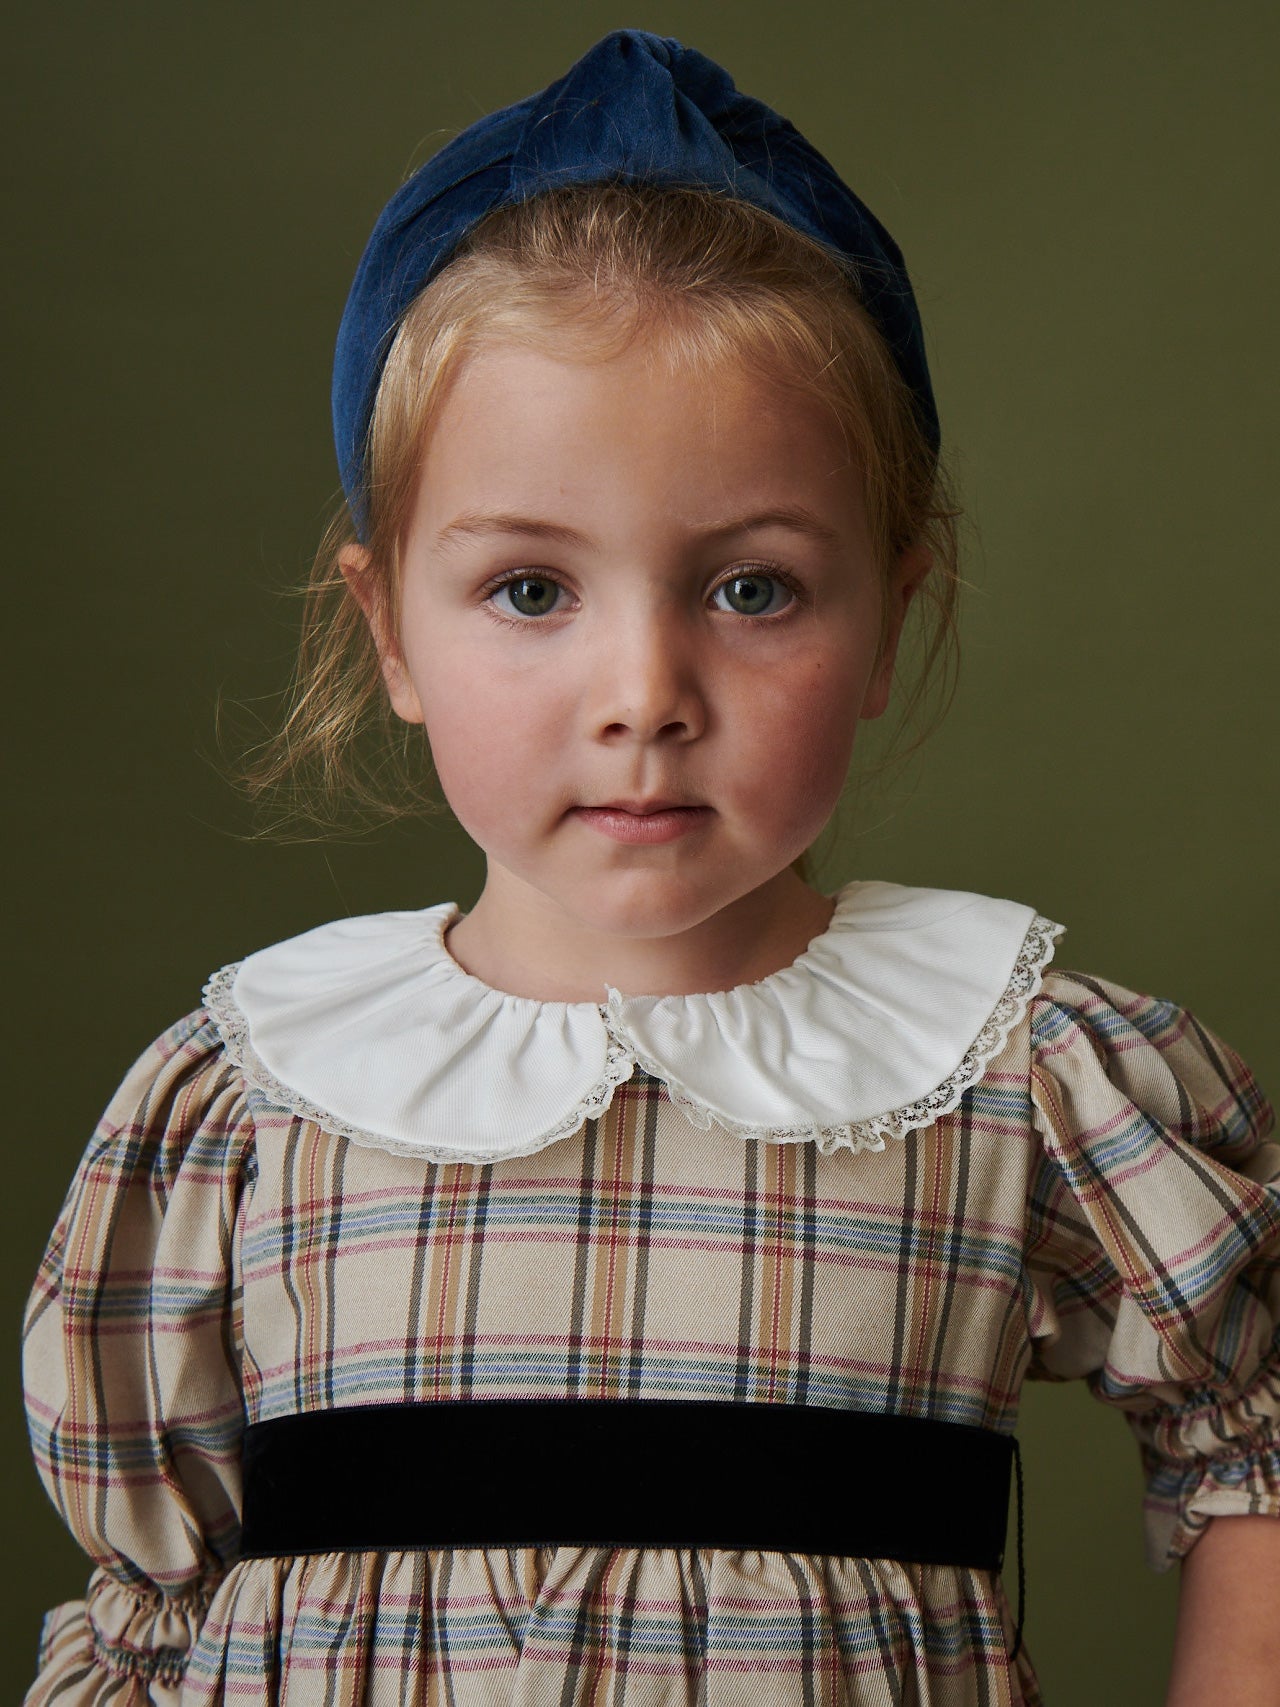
(806, 723)
(806, 774)
(486, 756)
(468, 748)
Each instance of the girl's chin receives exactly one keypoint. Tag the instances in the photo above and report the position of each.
(653, 905)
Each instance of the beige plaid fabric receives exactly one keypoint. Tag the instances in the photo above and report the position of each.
(1103, 1204)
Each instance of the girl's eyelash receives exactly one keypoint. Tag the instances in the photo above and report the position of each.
(740, 571)
(509, 579)
(765, 572)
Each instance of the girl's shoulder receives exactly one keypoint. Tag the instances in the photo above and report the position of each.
(370, 1027)
(184, 1089)
(910, 1000)
(188, 1056)
(1107, 1061)
(175, 1145)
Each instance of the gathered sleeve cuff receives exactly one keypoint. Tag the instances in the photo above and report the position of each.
(1153, 1255)
(121, 1645)
(131, 1362)
(1216, 1456)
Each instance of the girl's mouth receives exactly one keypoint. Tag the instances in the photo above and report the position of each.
(643, 821)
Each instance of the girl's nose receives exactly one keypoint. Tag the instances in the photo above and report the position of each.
(648, 685)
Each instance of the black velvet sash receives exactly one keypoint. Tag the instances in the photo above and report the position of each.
(626, 1473)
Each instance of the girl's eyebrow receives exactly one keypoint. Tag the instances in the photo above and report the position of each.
(476, 523)
(473, 523)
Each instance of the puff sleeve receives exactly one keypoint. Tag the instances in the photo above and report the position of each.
(1153, 1256)
(131, 1366)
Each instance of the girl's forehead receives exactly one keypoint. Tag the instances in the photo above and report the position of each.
(624, 442)
(504, 375)
(648, 386)
(593, 343)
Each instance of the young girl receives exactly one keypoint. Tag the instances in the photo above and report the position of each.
(622, 1292)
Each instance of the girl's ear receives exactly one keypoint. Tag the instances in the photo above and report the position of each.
(901, 587)
(366, 589)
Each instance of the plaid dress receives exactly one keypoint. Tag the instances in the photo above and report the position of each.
(1101, 1204)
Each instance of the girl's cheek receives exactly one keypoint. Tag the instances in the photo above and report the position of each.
(491, 755)
(807, 731)
(811, 711)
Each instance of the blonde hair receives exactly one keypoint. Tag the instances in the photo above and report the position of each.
(713, 280)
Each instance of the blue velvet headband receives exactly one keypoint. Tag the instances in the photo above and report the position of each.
(636, 107)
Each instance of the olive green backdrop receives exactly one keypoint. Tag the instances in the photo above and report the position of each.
(1085, 196)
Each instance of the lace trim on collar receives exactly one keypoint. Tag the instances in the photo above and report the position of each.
(1024, 983)
(622, 1023)
(220, 1004)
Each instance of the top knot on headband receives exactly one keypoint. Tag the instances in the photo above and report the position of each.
(635, 107)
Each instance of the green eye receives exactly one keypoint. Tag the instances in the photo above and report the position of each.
(529, 595)
(753, 595)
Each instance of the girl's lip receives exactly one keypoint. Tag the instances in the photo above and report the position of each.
(647, 822)
(642, 808)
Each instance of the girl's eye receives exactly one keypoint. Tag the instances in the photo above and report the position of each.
(527, 595)
(753, 594)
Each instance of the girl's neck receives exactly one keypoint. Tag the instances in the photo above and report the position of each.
(515, 941)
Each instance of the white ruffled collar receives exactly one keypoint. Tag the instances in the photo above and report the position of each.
(371, 1028)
